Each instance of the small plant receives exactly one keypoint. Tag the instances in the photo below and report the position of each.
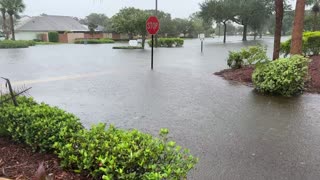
(247, 56)
(53, 36)
(284, 76)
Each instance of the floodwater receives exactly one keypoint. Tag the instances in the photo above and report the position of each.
(236, 133)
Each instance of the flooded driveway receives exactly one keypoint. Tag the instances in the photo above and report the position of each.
(236, 133)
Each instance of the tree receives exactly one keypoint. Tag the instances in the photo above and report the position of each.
(220, 11)
(296, 44)
(131, 21)
(182, 26)
(279, 4)
(13, 7)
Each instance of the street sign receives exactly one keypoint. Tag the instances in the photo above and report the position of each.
(153, 25)
(202, 37)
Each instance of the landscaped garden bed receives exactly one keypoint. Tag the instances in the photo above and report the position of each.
(168, 42)
(284, 76)
(127, 47)
(101, 152)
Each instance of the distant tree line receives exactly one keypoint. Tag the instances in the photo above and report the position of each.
(132, 21)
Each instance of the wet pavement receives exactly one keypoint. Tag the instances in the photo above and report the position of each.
(236, 133)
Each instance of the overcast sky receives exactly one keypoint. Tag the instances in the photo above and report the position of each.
(81, 8)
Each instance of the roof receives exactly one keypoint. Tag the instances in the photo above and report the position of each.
(50, 23)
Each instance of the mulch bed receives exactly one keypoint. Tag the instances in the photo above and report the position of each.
(244, 75)
(17, 161)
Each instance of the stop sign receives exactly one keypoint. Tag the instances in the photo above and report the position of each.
(153, 25)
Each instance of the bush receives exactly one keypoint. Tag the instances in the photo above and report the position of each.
(37, 125)
(284, 77)
(53, 36)
(168, 42)
(310, 45)
(105, 154)
(7, 44)
(247, 56)
(117, 154)
(94, 41)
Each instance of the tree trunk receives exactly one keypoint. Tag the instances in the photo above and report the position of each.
(224, 32)
(244, 35)
(255, 36)
(219, 29)
(260, 34)
(315, 21)
(278, 28)
(12, 27)
(296, 44)
(4, 24)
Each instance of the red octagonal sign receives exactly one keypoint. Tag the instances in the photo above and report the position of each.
(153, 25)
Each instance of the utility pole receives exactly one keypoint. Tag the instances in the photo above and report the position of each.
(156, 36)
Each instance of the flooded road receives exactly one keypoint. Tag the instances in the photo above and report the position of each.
(236, 133)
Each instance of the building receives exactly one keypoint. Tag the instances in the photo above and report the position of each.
(69, 29)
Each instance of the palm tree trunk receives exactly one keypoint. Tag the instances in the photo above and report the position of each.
(4, 24)
(296, 44)
(12, 27)
(278, 28)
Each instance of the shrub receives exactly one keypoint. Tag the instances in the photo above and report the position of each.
(7, 44)
(105, 154)
(168, 42)
(247, 56)
(310, 45)
(284, 77)
(37, 125)
(53, 36)
(94, 41)
(118, 154)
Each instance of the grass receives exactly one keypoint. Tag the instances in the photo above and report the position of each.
(94, 41)
(127, 47)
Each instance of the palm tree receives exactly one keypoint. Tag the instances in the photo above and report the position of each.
(315, 10)
(278, 28)
(296, 44)
(3, 11)
(14, 7)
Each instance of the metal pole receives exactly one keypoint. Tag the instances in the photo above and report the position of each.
(152, 52)
(201, 46)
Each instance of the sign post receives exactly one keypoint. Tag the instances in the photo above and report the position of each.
(152, 26)
(202, 37)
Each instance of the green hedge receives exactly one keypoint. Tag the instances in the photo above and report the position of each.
(310, 45)
(94, 41)
(168, 42)
(103, 153)
(247, 56)
(53, 36)
(284, 77)
(8, 44)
